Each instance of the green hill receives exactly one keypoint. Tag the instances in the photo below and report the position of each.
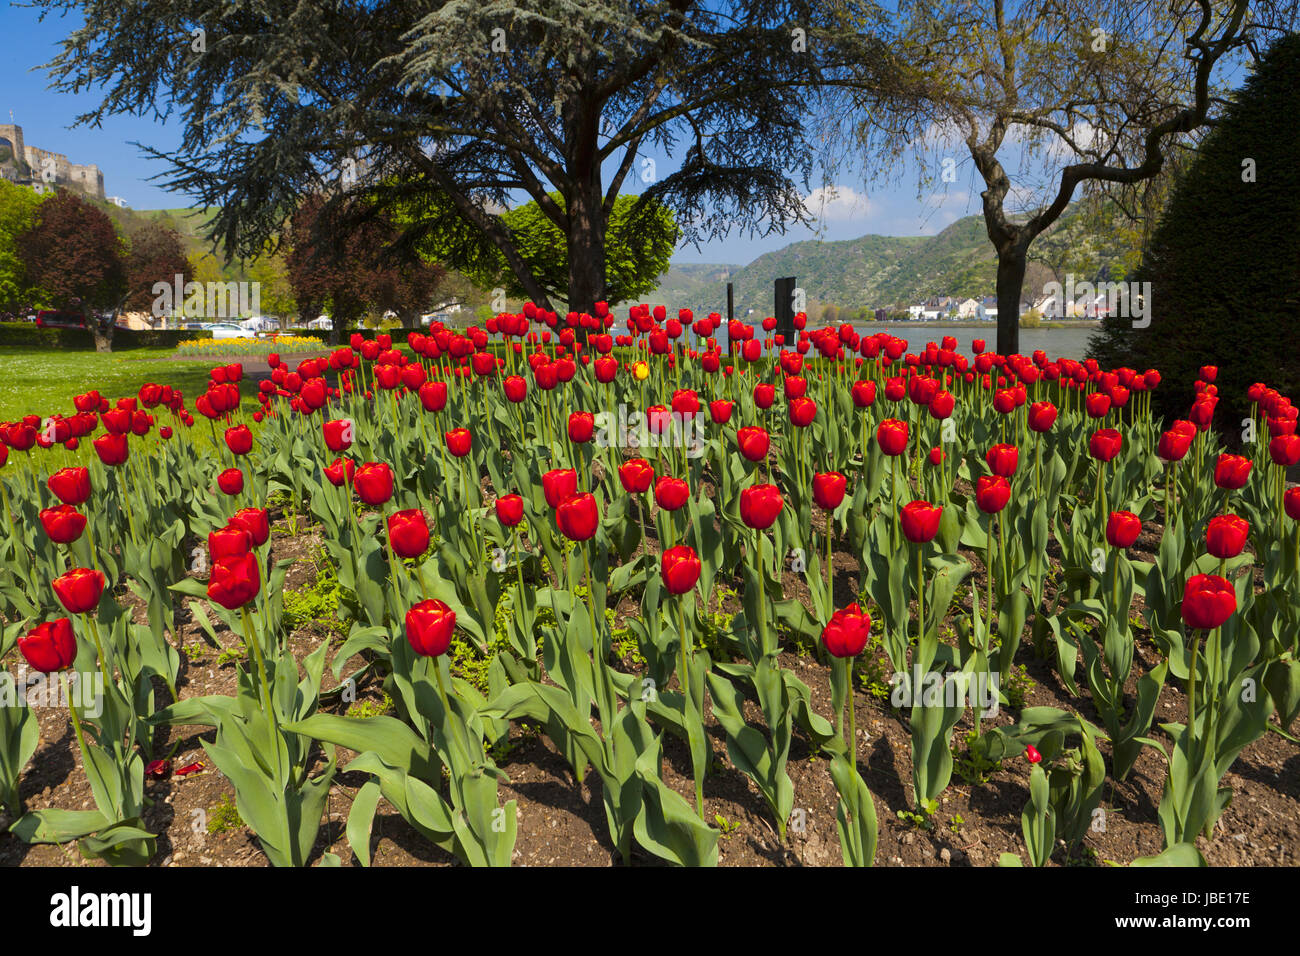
(880, 271)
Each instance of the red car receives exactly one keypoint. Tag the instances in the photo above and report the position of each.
(53, 319)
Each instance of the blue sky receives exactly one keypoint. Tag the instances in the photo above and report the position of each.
(46, 117)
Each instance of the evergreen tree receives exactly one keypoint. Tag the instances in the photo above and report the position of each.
(1224, 262)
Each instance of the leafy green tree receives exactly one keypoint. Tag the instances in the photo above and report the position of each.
(1224, 262)
(77, 259)
(639, 242)
(18, 206)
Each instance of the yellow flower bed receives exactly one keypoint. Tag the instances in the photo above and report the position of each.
(222, 348)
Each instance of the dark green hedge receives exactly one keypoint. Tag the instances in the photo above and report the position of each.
(27, 335)
(1224, 262)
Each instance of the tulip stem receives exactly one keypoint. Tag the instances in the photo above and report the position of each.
(597, 639)
(1191, 702)
(762, 614)
(853, 723)
(442, 687)
(688, 691)
(81, 736)
(830, 577)
(920, 599)
(99, 647)
(251, 639)
(988, 574)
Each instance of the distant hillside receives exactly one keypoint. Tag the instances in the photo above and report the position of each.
(699, 287)
(878, 271)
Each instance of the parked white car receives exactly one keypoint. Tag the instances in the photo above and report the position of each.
(225, 330)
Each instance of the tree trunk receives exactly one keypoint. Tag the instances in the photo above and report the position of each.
(1012, 260)
(586, 245)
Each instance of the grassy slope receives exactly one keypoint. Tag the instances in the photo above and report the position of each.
(41, 382)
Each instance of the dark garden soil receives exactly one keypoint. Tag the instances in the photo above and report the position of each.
(562, 821)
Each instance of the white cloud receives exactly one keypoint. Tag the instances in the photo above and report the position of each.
(837, 204)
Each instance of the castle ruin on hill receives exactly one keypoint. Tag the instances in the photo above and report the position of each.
(43, 170)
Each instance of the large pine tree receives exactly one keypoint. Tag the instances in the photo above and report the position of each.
(1224, 263)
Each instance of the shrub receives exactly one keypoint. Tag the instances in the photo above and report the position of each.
(27, 335)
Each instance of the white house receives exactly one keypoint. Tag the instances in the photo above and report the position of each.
(968, 309)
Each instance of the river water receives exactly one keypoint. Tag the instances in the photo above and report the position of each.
(1068, 343)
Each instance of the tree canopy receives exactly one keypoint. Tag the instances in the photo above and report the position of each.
(17, 212)
(639, 242)
(462, 108)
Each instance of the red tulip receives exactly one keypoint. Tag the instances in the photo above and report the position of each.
(239, 439)
(1097, 404)
(847, 632)
(936, 456)
(1231, 471)
(341, 472)
(1105, 444)
(764, 395)
(234, 581)
(802, 412)
(720, 411)
(754, 442)
(577, 517)
(1226, 536)
(680, 567)
(1122, 529)
(1042, 416)
(63, 524)
(1174, 445)
(892, 436)
(760, 505)
(429, 627)
(992, 492)
(112, 449)
(582, 425)
(232, 541)
(636, 475)
(79, 589)
(671, 493)
(516, 388)
(433, 396)
(828, 490)
(374, 483)
(510, 510)
(339, 434)
(864, 394)
(255, 521)
(459, 441)
(408, 533)
(231, 481)
(1285, 450)
(1291, 502)
(942, 404)
(50, 646)
(1208, 601)
(1032, 754)
(1003, 460)
(920, 521)
(70, 485)
(558, 485)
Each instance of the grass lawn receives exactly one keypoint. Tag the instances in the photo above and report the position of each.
(42, 381)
